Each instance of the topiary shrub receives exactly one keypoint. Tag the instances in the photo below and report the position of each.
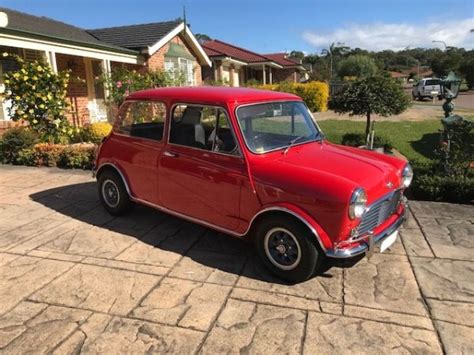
(14, 140)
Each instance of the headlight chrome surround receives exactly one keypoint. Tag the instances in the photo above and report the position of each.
(407, 175)
(357, 203)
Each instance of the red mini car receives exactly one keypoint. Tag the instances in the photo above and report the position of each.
(253, 164)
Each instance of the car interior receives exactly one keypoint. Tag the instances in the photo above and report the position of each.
(190, 128)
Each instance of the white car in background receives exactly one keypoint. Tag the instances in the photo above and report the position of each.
(428, 87)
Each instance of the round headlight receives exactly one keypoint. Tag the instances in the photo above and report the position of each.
(407, 175)
(358, 203)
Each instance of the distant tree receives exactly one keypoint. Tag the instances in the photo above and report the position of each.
(333, 53)
(467, 70)
(201, 37)
(297, 55)
(360, 66)
(373, 95)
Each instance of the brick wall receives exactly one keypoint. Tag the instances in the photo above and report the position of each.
(77, 89)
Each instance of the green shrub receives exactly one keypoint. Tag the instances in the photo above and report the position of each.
(455, 189)
(315, 94)
(14, 140)
(358, 139)
(72, 156)
(77, 157)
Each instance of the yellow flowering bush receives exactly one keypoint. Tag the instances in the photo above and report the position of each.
(314, 93)
(38, 96)
(96, 131)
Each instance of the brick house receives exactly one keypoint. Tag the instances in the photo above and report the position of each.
(90, 53)
(235, 65)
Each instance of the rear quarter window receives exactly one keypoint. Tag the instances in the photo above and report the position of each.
(143, 119)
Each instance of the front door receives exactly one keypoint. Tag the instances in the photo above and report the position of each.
(201, 170)
(96, 91)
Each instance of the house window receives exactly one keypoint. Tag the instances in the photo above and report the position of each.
(179, 64)
(180, 70)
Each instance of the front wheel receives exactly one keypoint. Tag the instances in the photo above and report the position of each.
(286, 248)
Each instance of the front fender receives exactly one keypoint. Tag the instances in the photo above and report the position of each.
(318, 232)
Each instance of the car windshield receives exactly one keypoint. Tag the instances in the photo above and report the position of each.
(276, 125)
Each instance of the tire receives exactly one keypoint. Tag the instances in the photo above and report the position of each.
(295, 257)
(113, 194)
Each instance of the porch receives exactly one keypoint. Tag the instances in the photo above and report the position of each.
(86, 91)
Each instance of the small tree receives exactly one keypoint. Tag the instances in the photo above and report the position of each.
(467, 70)
(360, 66)
(38, 96)
(373, 95)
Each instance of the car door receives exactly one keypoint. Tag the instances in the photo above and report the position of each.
(139, 143)
(202, 169)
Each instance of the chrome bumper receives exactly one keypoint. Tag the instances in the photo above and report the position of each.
(373, 241)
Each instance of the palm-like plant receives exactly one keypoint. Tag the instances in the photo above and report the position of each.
(335, 50)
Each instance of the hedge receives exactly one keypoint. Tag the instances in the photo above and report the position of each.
(78, 156)
(314, 93)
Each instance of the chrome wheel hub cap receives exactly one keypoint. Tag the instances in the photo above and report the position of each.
(282, 248)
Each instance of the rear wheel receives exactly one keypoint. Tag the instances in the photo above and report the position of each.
(286, 248)
(113, 194)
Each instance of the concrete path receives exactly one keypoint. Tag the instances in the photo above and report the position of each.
(74, 279)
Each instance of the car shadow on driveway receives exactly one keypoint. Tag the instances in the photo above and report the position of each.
(163, 232)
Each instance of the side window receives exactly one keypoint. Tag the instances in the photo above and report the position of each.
(203, 127)
(144, 119)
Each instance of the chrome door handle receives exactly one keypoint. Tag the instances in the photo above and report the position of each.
(170, 154)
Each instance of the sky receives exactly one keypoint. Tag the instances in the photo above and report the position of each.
(268, 26)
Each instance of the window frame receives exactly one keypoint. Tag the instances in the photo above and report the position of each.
(242, 129)
(117, 125)
(170, 119)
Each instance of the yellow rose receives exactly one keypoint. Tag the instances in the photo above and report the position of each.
(41, 106)
(31, 110)
(16, 75)
(7, 81)
(33, 87)
(39, 68)
(35, 121)
(25, 78)
(35, 78)
(5, 54)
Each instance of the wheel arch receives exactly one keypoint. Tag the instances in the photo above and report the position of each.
(116, 169)
(295, 213)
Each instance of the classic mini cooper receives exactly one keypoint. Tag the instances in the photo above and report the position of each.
(253, 164)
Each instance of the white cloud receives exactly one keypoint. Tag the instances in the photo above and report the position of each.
(397, 36)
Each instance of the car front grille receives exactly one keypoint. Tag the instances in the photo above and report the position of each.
(379, 212)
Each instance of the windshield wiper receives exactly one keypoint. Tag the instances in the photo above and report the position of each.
(293, 141)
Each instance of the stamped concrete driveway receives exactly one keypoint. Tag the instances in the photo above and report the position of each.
(74, 279)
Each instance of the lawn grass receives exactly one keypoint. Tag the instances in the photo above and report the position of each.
(417, 140)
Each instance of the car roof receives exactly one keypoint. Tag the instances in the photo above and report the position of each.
(211, 94)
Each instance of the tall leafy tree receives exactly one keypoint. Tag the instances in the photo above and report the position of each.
(360, 66)
(373, 95)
